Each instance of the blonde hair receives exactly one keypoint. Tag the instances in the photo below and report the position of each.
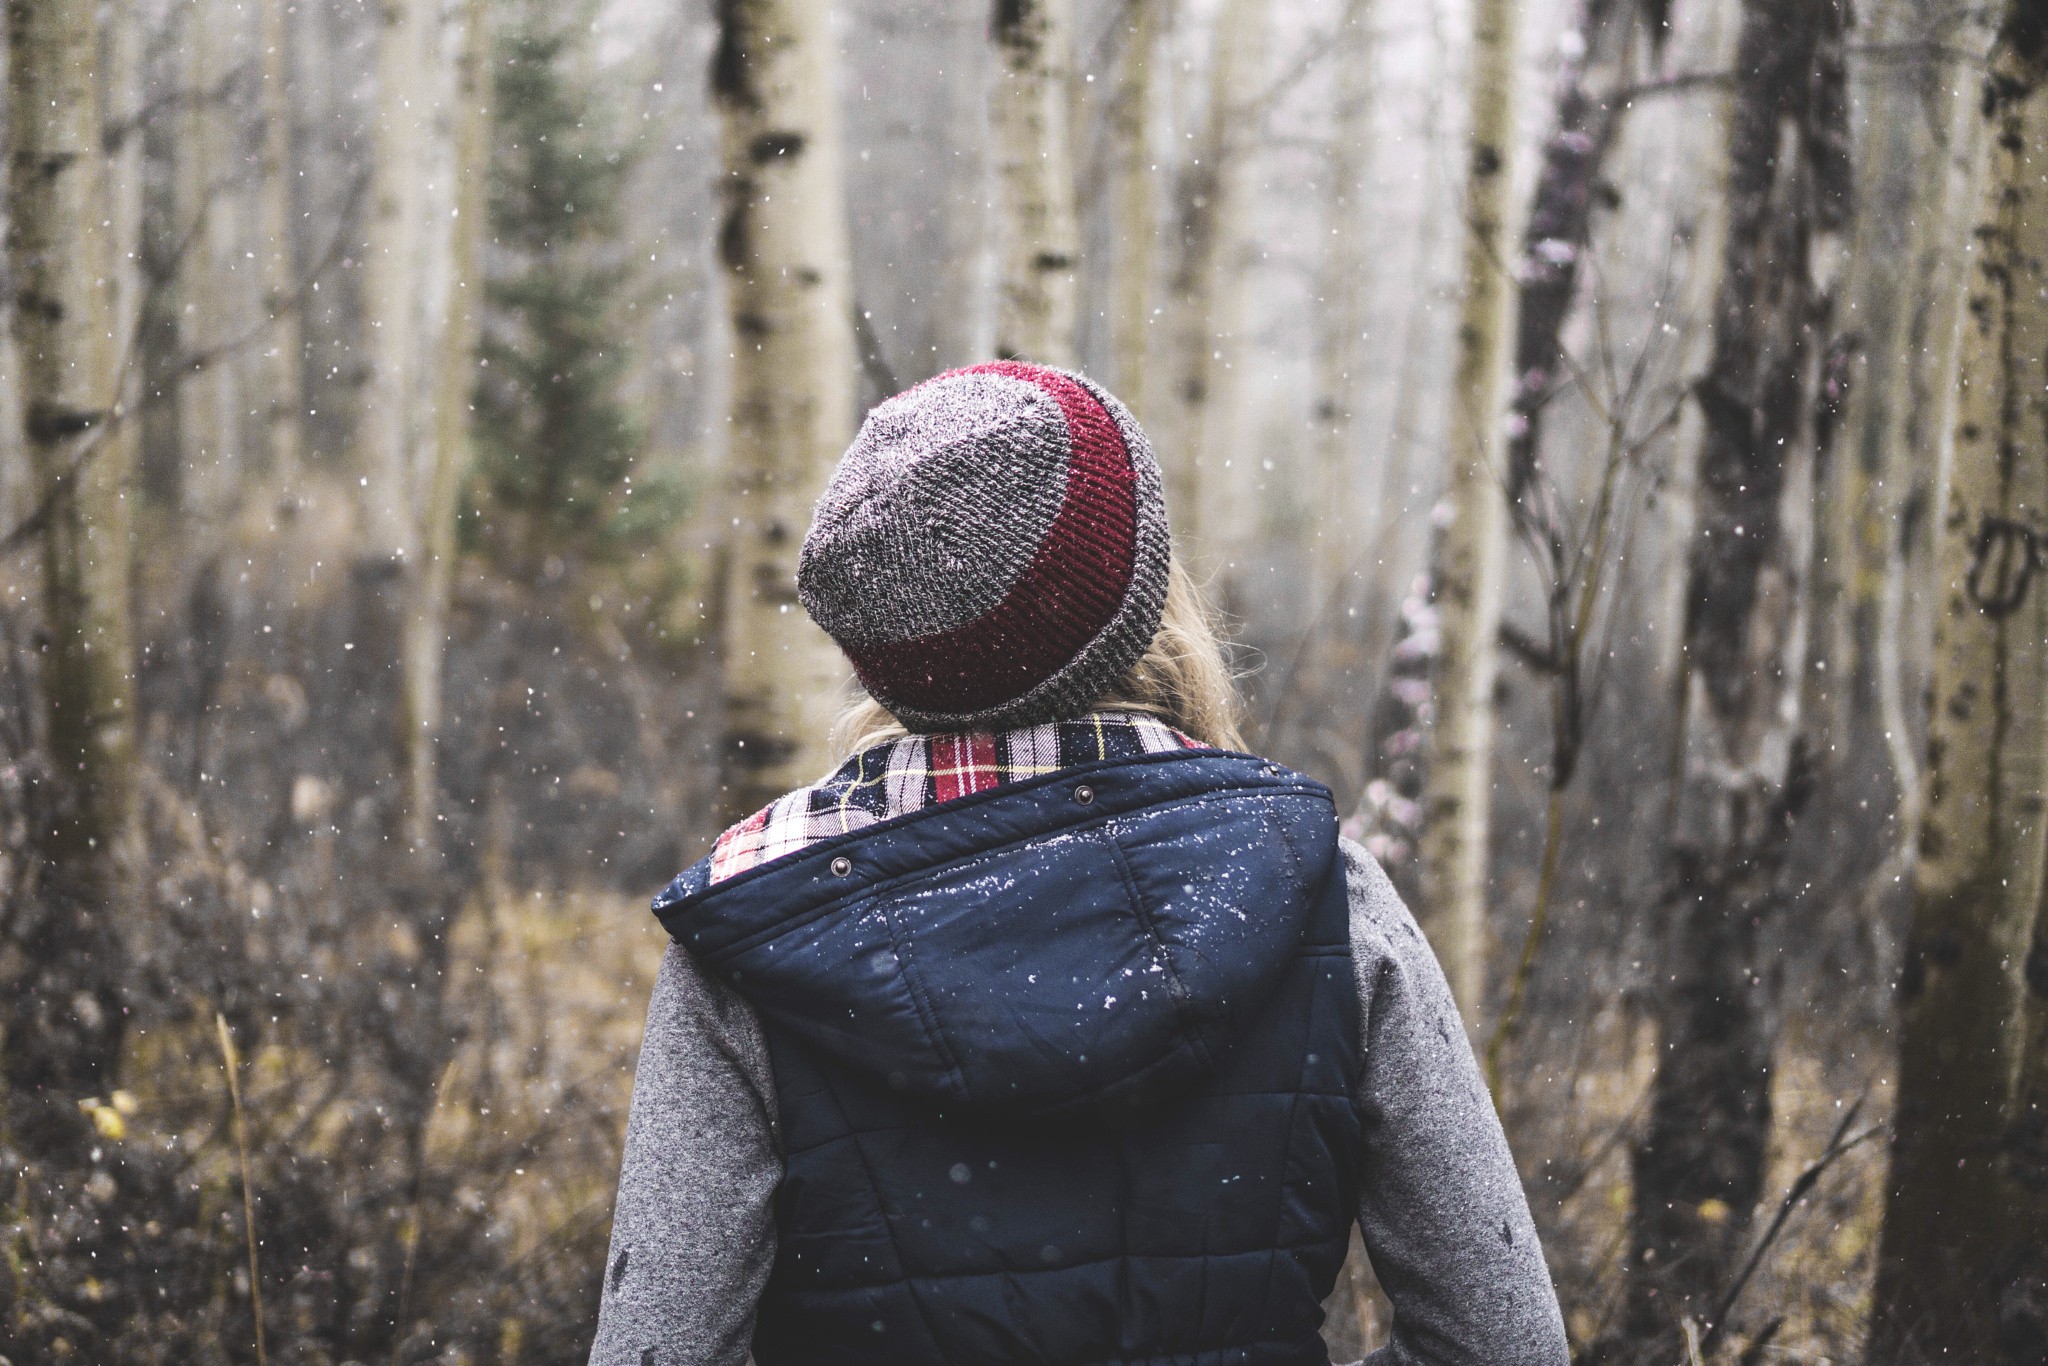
(1183, 680)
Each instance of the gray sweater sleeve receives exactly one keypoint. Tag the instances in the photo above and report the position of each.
(693, 1231)
(1440, 1207)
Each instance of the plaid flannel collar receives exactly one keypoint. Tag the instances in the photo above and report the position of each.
(917, 771)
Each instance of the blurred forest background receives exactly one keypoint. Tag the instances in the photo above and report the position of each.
(1618, 430)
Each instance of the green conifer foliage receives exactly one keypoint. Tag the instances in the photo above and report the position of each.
(556, 441)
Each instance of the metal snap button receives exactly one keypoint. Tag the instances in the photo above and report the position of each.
(1084, 794)
(841, 866)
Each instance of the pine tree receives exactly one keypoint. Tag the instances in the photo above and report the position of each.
(556, 439)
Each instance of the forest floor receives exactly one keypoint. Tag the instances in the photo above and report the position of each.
(1808, 1300)
(529, 1113)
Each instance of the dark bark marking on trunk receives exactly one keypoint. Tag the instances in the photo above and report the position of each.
(1700, 1167)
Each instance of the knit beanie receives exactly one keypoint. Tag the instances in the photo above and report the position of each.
(992, 550)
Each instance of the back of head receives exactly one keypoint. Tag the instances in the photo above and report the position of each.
(993, 551)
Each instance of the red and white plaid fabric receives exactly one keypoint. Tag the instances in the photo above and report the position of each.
(917, 771)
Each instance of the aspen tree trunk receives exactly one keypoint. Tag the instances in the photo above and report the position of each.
(121, 47)
(1950, 1219)
(389, 530)
(1699, 1168)
(1881, 296)
(1912, 483)
(430, 581)
(1206, 290)
(1399, 527)
(1708, 44)
(1137, 200)
(208, 199)
(1036, 293)
(1341, 358)
(61, 1019)
(283, 349)
(1559, 230)
(784, 244)
(2024, 1297)
(1342, 510)
(1903, 321)
(1471, 556)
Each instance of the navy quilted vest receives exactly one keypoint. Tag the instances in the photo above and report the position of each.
(1064, 1069)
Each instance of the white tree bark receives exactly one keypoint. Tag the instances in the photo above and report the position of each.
(1206, 289)
(63, 1025)
(784, 245)
(1951, 1221)
(209, 198)
(1137, 200)
(121, 51)
(382, 459)
(1700, 1166)
(1705, 42)
(283, 401)
(1342, 296)
(430, 581)
(1037, 286)
(1472, 554)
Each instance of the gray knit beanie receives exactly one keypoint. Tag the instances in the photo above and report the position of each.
(992, 550)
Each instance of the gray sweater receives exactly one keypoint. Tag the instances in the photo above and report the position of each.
(1441, 1208)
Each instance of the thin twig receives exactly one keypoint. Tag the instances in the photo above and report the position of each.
(1693, 1344)
(1840, 1142)
(874, 362)
(1672, 85)
(1546, 881)
(234, 1064)
(1589, 1164)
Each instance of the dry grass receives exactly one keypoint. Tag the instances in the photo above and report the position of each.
(487, 1251)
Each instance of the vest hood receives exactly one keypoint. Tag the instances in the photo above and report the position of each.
(1090, 940)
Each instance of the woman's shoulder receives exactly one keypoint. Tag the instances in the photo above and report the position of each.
(1382, 929)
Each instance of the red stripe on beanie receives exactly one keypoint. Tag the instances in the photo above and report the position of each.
(1071, 589)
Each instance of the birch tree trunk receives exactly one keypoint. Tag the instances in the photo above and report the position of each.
(389, 532)
(1206, 290)
(1036, 293)
(1881, 298)
(1590, 112)
(1903, 313)
(783, 241)
(121, 48)
(1706, 42)
(430, 581)
(1343, 293)
(62, 1017)
(1978, 883)
(1912, 484)
(1699, 1168)
(1137, 200)
(283, 348)
(208, 196)
(2024, 1297)
(382, 458)
(1471, 556)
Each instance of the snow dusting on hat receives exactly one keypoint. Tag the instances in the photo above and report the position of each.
(992, 550)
